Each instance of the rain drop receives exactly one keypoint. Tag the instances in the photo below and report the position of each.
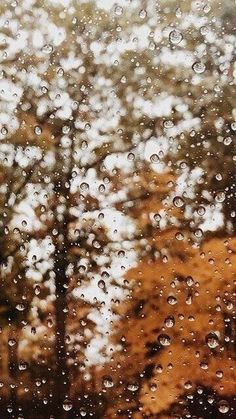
(118, 10)
(175, 37)
(47, 48)
(132, 387)
(164, 340)
(142, 14)
(38, 130)
(178, 201)
(67, 405)
(223, 406)
(220, 197)
(107, 381)
(198, 67)
(212, 340)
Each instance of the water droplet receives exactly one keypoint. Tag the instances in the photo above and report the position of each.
(47, 48)
(219, 177)
(178, 201)
(101, 188)
(87, 127)
(219, 374)
(153, 387)
(96, 244)
(118, 10)
(171, 300)
(157, 218)
(210, 399)
(44, 89)
(4, 131)
(142, 14)
(121, 253)
(101, 284)
(204, 365)
(22, 366)
(11, 342)
(164, 340)
(107, 381)
(37, 290)
(49, 323)
(83, 411)
(233, 126)
(131, 156)
(20, 307)
(204, 30)
(159, 369)
(38, 130)
(189, 281)
(188, 385)
(65, 129)
(223, 406)
(84, 145)
(75, 105)
(67, 405)
(84, 186)
(198, 233)
(60, 72)
(220, 197)
(152, 47)
(154, 158)
(212, 340)
(175, 37)
(227, 141)
(169, 321)
(201, 211)
(199, 67)
(179, 236)
(168, 124)
(133, 387)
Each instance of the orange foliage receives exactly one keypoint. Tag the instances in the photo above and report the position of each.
(177, 325)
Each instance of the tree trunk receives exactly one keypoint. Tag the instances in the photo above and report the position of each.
(61, 379)
(13, 368)
(61, 365)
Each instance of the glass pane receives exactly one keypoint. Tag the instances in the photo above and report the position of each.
(118, 209)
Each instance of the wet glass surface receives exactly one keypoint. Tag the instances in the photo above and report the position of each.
(117, 209)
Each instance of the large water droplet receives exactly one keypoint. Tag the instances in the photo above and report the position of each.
(199, 67)
(178, 201)
(212, 340)
(67, 405)
(164, 340)
(175, 37)
(38, 130)
(118, 10)
(47, 48)
(142, 14)
(107, 381)
(223, 406)
(133, 387)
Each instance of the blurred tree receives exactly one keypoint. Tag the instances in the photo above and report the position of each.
(16, 289)
(175, 331)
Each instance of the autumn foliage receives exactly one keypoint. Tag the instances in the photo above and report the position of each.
(177, 330)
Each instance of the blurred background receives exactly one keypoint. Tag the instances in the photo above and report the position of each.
(117, 209)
